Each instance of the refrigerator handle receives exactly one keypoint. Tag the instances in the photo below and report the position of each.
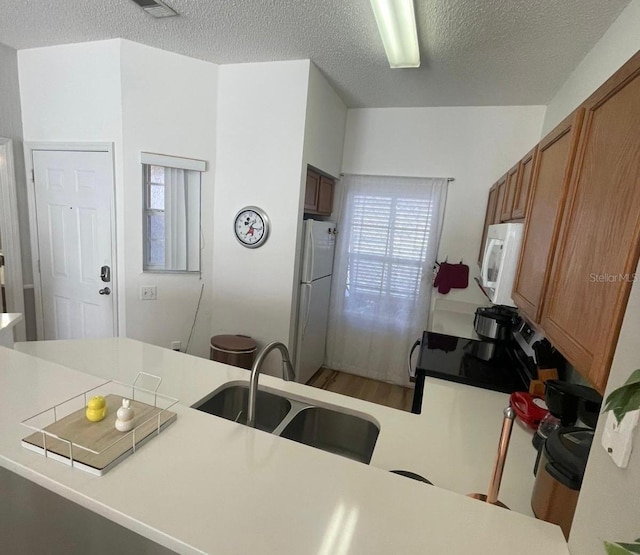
(312, 251)
(307, 254)
(307, 311)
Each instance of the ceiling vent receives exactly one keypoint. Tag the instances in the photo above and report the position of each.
(156, 8)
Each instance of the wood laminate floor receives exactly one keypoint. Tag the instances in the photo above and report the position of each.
(374, 391)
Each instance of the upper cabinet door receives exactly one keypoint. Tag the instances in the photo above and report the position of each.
(501, 187)
(551, 171)
(510, 193)
(489, 218)
(325, 196)
(311, 191)
(524, 185)
(600, 236)
(318, 196)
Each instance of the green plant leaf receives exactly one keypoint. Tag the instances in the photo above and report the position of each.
(634, 378)
(630, 403)
(614, 398)
(623, 400)
(631, 547)
(614, 549)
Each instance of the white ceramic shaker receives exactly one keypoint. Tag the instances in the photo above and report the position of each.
(124, 417)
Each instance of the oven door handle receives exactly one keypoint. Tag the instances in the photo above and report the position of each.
(410, 367)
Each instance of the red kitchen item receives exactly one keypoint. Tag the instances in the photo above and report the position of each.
(451, 276)
(529, 409)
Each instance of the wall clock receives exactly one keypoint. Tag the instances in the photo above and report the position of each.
(251, 226)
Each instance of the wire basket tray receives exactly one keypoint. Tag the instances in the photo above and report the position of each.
(63, 433)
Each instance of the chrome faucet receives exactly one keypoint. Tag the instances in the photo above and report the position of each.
(287, 374)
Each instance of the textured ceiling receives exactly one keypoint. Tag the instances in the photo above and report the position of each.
(474, 52)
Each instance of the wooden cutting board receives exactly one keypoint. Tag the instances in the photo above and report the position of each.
(99, 436)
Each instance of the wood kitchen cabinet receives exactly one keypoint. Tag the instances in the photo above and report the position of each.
(599, 239)
(510, 193)
(550, 166)
(489, 218)
(524, 185)
(494, 211)
(318, 197)
(501, 187)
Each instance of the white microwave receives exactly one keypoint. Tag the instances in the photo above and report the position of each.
(500, 261)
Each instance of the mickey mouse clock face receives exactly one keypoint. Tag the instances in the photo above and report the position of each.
(251, 226)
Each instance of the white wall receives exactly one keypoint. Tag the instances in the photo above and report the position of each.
(475, 145)
(139, 98)
(261, 127)
(71, 93)
(168, 107)
(617, 45)
(11, 128)
(325, 125)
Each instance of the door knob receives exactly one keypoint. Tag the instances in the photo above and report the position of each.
(105, 291)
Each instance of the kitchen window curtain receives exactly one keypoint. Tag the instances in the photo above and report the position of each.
(389, 231)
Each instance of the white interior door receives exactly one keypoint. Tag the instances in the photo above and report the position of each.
(73, 201)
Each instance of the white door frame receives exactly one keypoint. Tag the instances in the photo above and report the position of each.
(10, 231)
(29, 149)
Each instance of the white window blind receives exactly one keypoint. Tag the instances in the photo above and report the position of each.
(171, 214)
(388, 247)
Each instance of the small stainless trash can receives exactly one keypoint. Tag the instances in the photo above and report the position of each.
(236, 350)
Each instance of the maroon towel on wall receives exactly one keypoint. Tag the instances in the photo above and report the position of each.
(451, 276)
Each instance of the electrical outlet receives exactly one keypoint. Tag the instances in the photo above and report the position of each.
(176, 345)
(148, 293)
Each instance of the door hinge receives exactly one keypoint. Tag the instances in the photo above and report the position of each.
(39, 267)
(33, 176)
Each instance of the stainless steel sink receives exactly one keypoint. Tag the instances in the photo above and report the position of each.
(231, 403)
(337, 432)
(296, 418)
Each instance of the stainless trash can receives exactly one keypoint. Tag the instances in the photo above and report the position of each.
(236, 350)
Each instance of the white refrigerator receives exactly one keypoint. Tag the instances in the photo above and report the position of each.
(315, 289)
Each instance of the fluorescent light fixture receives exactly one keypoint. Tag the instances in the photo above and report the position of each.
(396, 21)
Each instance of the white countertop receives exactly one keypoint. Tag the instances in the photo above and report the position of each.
(453, 318)
(9, 319)
(246, 491)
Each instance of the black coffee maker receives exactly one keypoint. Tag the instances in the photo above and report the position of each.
(568, 404)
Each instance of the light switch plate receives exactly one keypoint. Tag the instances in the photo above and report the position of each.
(148, 293)
(617, 439)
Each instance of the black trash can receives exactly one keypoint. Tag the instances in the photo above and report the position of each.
(236, 350)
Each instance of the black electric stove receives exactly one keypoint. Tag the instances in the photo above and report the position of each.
(471, 362)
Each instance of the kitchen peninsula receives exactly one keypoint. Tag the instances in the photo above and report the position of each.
(208, 485)
(7, 322)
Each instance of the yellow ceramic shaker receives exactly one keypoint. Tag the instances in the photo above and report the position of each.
(96, 408)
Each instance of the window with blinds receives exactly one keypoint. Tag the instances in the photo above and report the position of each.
(387, 252)
(171, 230)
